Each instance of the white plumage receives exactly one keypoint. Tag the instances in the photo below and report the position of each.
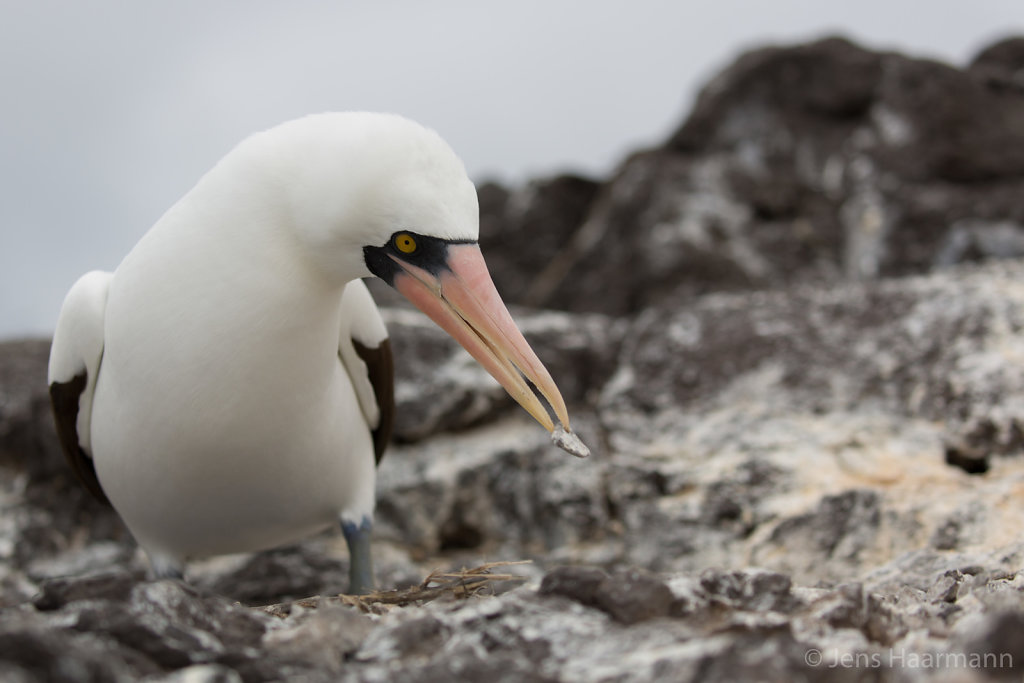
(226, 403)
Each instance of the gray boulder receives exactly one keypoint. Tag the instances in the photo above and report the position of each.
(819, 163)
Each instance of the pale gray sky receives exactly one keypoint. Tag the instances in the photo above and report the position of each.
(112, 109)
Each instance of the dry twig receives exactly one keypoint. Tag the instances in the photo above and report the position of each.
(458, 585)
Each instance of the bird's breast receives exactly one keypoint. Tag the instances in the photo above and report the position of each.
(225, 410)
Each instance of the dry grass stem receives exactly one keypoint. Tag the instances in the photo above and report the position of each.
(457, 585)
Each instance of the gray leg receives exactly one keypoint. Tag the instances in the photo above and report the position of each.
(360, 571)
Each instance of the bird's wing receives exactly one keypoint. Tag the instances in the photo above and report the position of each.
(74, 366)
(365, 351)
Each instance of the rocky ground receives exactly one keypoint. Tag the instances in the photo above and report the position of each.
(792, 336)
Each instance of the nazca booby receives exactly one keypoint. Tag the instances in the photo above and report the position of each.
(228, 387)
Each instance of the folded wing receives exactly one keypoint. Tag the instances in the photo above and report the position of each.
(365, 352)
(75, 359)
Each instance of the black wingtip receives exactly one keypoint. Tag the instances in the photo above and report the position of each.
(64, 398)
(380, 368)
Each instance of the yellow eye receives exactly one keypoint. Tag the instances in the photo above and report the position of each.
(405, 243)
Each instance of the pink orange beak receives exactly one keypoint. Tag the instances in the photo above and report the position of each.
(463, 301)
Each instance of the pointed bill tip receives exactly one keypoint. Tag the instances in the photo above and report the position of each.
(569, 442)
(462, 299)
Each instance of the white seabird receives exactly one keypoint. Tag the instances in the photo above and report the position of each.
(229, 387)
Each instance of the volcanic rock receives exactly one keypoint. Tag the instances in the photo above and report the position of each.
(820, 163)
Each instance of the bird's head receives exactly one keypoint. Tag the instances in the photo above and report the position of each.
(397, 199)
(448, 280)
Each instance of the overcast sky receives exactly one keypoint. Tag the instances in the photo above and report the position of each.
(112, 110)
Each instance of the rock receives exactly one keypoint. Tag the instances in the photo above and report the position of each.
(125, 635)
(699, 510)
(61, 655)
(526, 230)
(1001, 65)
(633, 595)
(817, 163)
(741, 625)
(203, 673)
(751, 590)
(320, 640)
(440, 388)
(935, 348)
(628, 596)
(455, 394)
(173, 625)
(501, 486)
(57, 593)
(582, 584)
(997, 645)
